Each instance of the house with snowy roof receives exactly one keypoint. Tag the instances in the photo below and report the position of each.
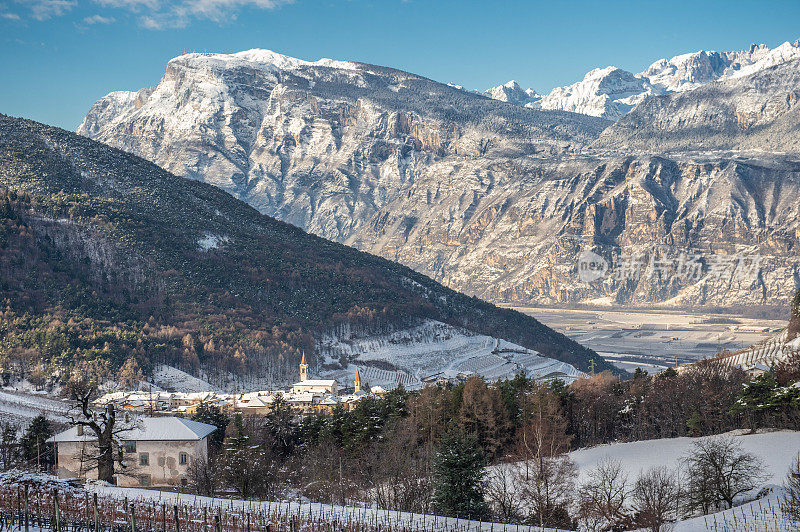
(156, 451)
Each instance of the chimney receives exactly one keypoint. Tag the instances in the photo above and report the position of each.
(80, 430)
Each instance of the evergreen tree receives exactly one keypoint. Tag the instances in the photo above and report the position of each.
(35, 450)
(458, 476)
(212, 415)
(281, 429)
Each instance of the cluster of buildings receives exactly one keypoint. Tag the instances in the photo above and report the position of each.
(306, 396)
(160, 447)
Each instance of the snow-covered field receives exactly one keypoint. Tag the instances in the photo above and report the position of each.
(19, 408)
(173, 379)
(379, 517)
(776, 449)
(432, 350)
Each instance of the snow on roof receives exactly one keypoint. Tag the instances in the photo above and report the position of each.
(147, 429)
(317, 382)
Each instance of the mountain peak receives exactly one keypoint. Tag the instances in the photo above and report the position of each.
(611, 92)
(261, 56)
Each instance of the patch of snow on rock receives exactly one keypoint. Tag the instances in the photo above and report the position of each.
(210, 241)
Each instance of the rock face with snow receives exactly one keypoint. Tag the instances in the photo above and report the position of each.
(758, 111)
(511, 92)
(267, 128)
(604, 92)
(611, 92)
(489, 198)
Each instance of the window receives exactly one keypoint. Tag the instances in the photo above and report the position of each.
(183, 458)
(144, 480)
(184, 482)
(130, 446)
(144, 459)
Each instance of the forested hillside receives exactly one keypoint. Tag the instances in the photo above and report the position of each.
(106, 257)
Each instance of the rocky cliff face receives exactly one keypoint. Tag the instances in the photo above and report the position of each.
(271, 129)
(755, 112)
(488, 197)
(612, 92)
(515, 230)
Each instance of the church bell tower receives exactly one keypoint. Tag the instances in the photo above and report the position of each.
(303, 369)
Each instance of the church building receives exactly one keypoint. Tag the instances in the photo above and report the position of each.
(307, 385)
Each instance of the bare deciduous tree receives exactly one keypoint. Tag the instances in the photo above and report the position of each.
(501, 492)
(791, 496)
(602, 499)
(103, 424)
(546, 476)
(204, 475)
(656, 496)
(718, 471)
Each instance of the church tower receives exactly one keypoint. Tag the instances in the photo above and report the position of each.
(303, 369)
(357, 382)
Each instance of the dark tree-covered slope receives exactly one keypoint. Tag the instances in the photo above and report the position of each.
(105, 256)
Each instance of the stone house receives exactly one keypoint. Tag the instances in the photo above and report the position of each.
(157, 451)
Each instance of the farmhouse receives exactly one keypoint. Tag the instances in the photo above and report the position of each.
(157, 451)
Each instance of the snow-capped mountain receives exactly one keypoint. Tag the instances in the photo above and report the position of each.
(604, 92)
(689, 71)
(612, 92)
(493, 199)
(511, 92)
(755, 112)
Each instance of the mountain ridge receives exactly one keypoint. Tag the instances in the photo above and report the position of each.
(470, 203)
(123, 259)
(612, 92)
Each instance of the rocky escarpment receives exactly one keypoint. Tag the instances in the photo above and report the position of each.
(271, 129)
(484, 196)
(612, 92)
(514, 230)
(755, 112)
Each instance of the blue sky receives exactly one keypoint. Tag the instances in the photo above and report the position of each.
(58, 56)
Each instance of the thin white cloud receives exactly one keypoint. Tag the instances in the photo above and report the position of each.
(152, 14)
(45, 9)
(131, 5)
(98, 19)
(163, 14)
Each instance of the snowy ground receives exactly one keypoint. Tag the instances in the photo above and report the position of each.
(175, 380)
(19, 407)
(431, 350)
(776, 449)
(406, 521)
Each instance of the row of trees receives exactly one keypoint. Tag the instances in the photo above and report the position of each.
(716, 472)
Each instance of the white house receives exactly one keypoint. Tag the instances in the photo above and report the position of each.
(157, 451)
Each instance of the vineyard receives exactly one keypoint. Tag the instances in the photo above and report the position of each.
(108, 509)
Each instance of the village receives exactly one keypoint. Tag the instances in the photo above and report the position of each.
(306, 396)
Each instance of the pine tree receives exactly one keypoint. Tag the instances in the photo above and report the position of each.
(459, 473)
(35, 450)
(212, 415)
